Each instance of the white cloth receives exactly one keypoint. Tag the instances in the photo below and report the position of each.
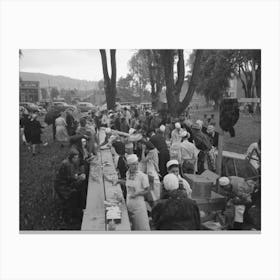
(239, 213)
(186, 186)
(176, 136)
(61, 131)
(188, 150)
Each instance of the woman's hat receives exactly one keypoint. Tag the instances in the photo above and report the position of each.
(170, 182)
(172, 162)
(132, 159)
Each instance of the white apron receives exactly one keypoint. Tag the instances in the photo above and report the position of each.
(136, 207)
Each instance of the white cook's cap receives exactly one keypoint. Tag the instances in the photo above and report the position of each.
(224, 181)
(172, 162)
(132, 159)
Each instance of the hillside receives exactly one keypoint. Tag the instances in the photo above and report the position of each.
(58, 81)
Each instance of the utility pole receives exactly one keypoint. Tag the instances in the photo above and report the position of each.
(220, 149)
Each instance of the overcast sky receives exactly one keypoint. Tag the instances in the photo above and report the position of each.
(78, 64)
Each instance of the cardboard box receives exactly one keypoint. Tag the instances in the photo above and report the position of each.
(201, 186)
(214, 203)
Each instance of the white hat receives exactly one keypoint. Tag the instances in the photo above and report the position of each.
(224, 181)
(162, 128)
(132, 159)
(171, 182)
(131, 131)
(107, 130)
(177, 125)
(172, 162)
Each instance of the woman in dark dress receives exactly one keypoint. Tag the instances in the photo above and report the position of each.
(35, 133)
(25, 128)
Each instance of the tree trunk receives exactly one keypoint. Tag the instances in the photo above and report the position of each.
(193, 82)
(109, 83)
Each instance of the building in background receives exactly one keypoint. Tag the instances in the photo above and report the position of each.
(29, 91)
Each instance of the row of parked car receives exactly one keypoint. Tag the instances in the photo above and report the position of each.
(42, 107)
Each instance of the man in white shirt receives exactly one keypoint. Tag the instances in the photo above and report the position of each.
(188, 154)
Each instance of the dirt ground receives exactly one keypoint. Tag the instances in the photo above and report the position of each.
(41, 210)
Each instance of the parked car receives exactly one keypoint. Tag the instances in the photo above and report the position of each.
(85, 106)
(73, 107)
(30, 106)
(61, 105)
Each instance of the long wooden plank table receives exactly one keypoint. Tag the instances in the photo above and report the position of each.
(94, 214)
(112, 190)
(99, 190)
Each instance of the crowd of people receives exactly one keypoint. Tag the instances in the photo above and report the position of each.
(152, 151)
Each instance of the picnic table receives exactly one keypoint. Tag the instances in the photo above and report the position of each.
(99, 190)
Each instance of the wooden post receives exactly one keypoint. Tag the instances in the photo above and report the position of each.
(220, 152)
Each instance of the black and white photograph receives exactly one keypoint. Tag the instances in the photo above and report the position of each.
(140, 140)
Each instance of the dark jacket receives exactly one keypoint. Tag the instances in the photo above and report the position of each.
(35, 132)
(159, 142)
(176, 212)
(214, 139)
(65, 181)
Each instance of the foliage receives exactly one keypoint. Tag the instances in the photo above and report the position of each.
(247, 65)
(44, 93)
(54, 93)
(216, 70)
(147, 72)
(219, 66)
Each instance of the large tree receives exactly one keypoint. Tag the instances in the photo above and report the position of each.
(109, 82)
(216, 70)
(147, 71)
(174, 82)
(247, 65)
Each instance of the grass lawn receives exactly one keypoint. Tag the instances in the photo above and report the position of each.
(39, 210)
(247, 131)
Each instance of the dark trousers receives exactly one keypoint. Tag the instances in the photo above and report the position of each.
(163, 158)
(200, 162)
(54, 131)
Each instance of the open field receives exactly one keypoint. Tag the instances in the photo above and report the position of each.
(39, 210)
